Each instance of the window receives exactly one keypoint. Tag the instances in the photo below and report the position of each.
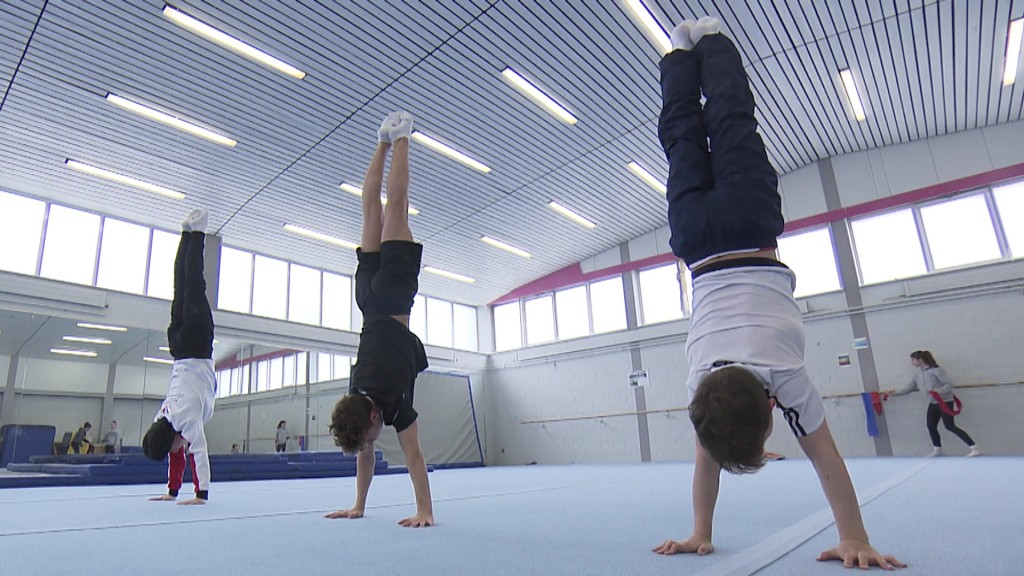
(123, 253)
(418, 317)
(960, 232)
(540, 320)
(1010, 203)
(571, 312)
(439, 322)
(464, 327)
(337, 310)
(289, 371)
(342, 366)
(888, 247)
(304, 295)
(69, 253)
(300, 368)
(244, 379)
(269, 287)
(508, 327)
(161, 265)
(21, 228)
(812, 258)
(262, 376)
(235, 285)
(324, 363)
(276, 373)
(608, 305)
(661, 298)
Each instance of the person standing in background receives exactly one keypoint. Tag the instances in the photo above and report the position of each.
(111, 438)
(281, 438)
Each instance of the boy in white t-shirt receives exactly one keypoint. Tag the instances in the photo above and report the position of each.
(178, 429)
(746, 342)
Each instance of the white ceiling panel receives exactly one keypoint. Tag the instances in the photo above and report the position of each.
(927, 67)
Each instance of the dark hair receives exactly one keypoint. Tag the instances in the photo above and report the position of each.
(731, 417)
(350, 421)
(926, 357)
(86, 425)
(281, 423)
(158, 440)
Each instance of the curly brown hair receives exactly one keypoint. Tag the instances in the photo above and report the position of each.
(350, 422)
(732, 417)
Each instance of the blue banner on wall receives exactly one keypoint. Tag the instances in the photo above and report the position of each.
(869, 409)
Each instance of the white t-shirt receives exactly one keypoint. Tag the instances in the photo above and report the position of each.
(747, 316)
(189, 405)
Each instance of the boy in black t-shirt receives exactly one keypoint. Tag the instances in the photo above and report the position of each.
(390, 356)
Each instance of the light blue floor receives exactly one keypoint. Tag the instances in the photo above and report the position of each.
(947, 516)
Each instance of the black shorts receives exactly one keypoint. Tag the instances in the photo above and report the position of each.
(387, 281)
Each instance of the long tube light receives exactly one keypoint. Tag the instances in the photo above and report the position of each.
(70, 352)
(88, 340)
(92, 326)
(230, 42)
(122, 179)
(650, 25)
(571, 215)
(319, 236)
(1012, 59)
(351, 189)
(504, 246)
(535, 94)
(169, 120)
(850, 85)
(647, 177)
(449, 151)
(447, 274)
(155, 360)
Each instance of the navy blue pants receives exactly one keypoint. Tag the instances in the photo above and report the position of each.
(190, 334)
(722, 190)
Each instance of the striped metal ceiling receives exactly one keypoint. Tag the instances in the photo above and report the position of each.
(926, 68)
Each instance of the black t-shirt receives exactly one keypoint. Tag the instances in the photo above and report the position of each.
(389, 358)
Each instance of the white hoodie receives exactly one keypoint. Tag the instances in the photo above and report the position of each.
(189, 404)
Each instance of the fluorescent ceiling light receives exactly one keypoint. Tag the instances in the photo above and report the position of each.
(537, 96)
(1013, 41)
(505, 247)
(70, 352)
(165, 348)
(229, 42)
(172, 121)
(122, 179)
(102, 327)
(449, 151)
(647, 177)
(87, 340)
(157, 360)
(320, 236)
(383, 199)
(651, 25)
(571, 215)
(851, 92)
(447, 274)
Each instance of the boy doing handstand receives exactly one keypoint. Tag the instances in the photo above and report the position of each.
(179, 425)
(390, 355)
(746, 342)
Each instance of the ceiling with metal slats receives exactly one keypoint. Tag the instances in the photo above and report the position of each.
(925, 68)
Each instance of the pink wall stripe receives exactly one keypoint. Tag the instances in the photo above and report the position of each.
(573, 275)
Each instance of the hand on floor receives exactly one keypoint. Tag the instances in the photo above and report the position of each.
(164, 498)
(352, 513)
(420, 520)
(692, 545)
(855, 554)
(192, 502)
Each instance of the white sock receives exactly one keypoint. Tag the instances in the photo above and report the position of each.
(197, 220)
(681, 35)
(384, 133)
(402, 127)
(703, 27)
